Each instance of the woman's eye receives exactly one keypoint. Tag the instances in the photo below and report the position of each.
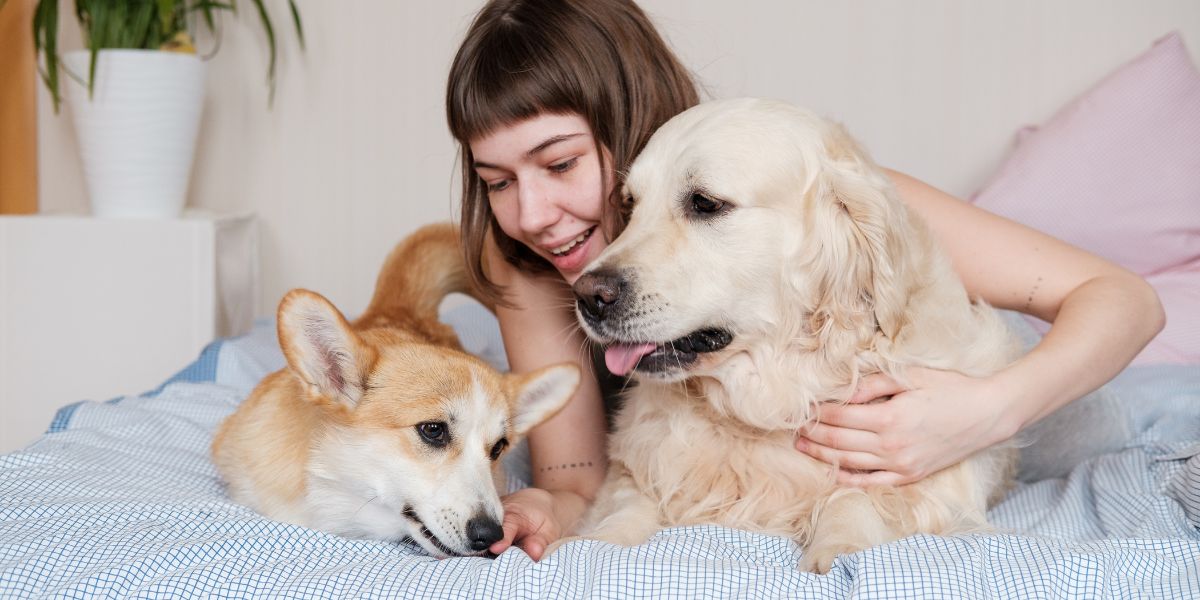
(498, 186)
(435, 433)
(564, 166)
(704, 205)
(499, 448)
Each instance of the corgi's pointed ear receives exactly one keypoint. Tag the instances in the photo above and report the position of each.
(321, 347)
(541, 394)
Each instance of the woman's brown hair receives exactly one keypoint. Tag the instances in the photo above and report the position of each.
(600, 59)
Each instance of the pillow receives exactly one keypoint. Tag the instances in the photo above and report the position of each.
(1117, 172)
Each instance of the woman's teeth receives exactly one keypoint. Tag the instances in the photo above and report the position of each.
(565, 248)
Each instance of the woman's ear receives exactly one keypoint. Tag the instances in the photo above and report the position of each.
(321, 347)
(868, 265)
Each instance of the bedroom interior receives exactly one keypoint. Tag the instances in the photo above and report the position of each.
(102, 452)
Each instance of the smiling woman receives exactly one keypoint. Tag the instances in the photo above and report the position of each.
(546, 187)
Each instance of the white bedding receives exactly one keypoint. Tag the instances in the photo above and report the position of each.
(120, 499)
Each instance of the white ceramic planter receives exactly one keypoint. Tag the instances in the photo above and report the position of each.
(137, 133)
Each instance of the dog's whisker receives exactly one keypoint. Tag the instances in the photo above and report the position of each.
(364, 504)
(585, 350)
(570, 328)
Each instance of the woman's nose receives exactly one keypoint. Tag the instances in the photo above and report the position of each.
(538, 209)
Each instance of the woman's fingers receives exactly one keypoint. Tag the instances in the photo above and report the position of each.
(873, 387)
(534, 545)
(842, 438)
(860, 469)
(865, 417)
(512, 527)
(839, 458)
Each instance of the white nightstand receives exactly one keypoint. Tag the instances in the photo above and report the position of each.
(92, 309)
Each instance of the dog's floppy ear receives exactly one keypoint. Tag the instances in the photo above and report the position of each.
(868, 270)
(542, 393)
(321, 348)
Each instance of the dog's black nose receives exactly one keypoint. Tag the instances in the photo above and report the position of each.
(483, 531)
(595, 292)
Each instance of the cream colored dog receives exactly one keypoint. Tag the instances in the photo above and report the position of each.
(768, 266)
(385, 428)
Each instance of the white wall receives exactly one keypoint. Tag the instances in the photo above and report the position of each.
(355, 153)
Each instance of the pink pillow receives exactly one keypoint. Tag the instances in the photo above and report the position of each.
(1117, 172)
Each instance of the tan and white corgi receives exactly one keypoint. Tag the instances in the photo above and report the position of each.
(385, 428)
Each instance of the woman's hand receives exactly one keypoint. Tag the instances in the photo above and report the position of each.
(534, 518)
(943, 419)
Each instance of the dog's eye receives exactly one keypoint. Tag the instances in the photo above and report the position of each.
(704, 205)
(435, 433)
(498, 448)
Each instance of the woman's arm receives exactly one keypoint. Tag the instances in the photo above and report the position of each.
(1102, 317)
(567, 452)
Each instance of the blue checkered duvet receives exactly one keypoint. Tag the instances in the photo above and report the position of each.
(120, 499)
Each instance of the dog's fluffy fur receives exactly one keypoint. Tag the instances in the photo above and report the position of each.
(341, 440)
(765, 224)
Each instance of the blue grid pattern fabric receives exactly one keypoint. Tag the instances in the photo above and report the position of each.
(122, 500)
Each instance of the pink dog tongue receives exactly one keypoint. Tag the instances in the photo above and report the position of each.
(621, 358)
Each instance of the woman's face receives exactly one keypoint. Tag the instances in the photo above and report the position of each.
(545, 185)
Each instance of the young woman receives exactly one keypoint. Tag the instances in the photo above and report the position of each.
(552, 99)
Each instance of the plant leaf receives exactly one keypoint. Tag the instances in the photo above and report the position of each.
(206, 7)
(166, 18)
(141, 24)
(141, 32)
(296, 22)
(99, 29)
(45, 40)
(266, 22)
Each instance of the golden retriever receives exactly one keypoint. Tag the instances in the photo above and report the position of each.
(767, 266)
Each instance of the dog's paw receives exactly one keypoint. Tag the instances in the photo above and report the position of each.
(820, 559)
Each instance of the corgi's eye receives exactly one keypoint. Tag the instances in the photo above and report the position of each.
(435, 433)
(499, 448)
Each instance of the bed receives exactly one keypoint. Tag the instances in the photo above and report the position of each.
(120, 498)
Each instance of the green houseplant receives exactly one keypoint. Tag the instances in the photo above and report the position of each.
(136, 94)
(139, 24)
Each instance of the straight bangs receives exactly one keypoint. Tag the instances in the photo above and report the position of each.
(508, 79)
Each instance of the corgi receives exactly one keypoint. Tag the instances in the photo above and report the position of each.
(385, 428)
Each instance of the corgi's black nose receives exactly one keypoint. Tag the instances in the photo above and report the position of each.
(595, 292)
(482, 532)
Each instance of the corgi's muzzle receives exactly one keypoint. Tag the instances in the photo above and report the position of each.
(482, 531)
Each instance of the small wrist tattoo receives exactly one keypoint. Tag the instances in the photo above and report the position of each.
(564, 466)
